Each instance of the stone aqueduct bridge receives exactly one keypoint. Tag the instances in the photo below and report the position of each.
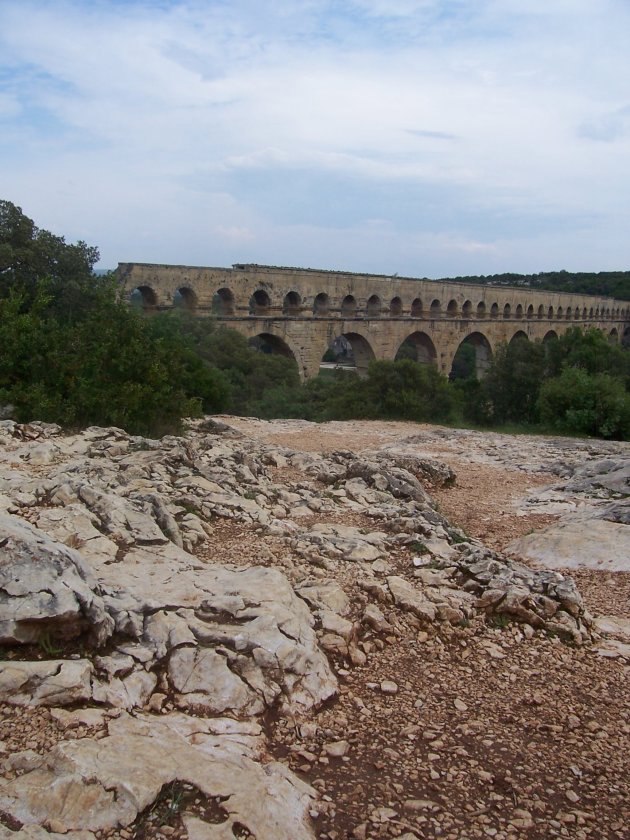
(300, 312)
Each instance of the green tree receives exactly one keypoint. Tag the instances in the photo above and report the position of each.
(588, 404)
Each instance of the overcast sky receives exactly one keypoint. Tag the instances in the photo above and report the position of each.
(418, 137)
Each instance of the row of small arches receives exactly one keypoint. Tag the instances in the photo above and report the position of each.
(260, 305)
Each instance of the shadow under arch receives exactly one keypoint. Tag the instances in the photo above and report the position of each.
(550, 335)
(418, 347)
(360, 352)
(463, 360)
(143, 297)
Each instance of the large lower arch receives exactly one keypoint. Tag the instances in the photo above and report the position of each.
(419, 347)
(273, 345)
(550, 335)
(519, 335)
(482, 350)
(361, 351)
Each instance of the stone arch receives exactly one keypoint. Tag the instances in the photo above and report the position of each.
(550, 335)
(416, 308)
(494, 310)
(530, 311)
(349, 307)
(483, 352)
(436, 308)
(260, 303)
(419, 347)
(361, 350)
(584, 314)
(568, 314)
(519, 335)
(613, 336)
(550, 313)
(144, 297)
(481, 309)
(374, 306)
(591, 312)
(273, 345)
(396, 307)
(467, 309)
(452, 309)
(292, 303)
(608, 312)
(541, 311)
(597, 312)
(185, 298)
(559, 313)
(321, 305)
(223, 303)
(519, 311)
(507, 310)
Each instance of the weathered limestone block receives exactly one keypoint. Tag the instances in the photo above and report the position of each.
(54, 682)
(409, 598)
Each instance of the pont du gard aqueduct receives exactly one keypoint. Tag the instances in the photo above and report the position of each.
(302, 312)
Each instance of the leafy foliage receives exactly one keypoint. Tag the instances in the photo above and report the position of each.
(72, 353)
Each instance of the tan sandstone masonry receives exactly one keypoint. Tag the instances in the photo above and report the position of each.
(301, 311)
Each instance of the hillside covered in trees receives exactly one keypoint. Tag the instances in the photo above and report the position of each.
(614, 284)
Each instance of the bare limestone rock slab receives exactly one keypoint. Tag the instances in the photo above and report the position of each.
(578, 542)
(100, 784)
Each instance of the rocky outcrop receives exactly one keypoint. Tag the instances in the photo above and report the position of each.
(109, 600)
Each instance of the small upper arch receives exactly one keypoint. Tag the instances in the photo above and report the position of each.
(349, 306)
(494, 310)
(507, 310)
(481, 309)
(185, 298)
(144, 297)
(396, 307)
(467, 309)
(321, 304)
(436, 308)
(223, 303)
(259, 303)
(452, 308)
(416, 308)
(374, 306)
(292, 303)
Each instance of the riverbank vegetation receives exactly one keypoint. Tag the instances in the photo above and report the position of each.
(72, 352)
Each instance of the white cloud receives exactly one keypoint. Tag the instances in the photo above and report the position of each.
(133, 121)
